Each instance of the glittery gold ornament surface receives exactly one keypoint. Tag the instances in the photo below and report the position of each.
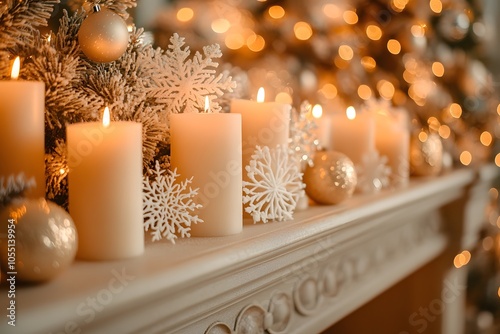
(103, 36)
(38, 239)
(426, 154)
(332, 179)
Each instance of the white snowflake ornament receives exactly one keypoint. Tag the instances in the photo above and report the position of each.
(190, 80)
(373, 173)
(168, 204)
(275, 185)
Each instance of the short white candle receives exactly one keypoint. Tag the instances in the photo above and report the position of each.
(392, 138)
(22, 128)
(207, 147)
(353, 134)
(105, 188)
(263, 124)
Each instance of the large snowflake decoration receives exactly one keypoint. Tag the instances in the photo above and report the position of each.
(373, 173)
(304, 141)
(168, 204)
(188, 81)
(14, 186)
(275, 185)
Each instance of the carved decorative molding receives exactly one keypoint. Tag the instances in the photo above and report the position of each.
(320, 288)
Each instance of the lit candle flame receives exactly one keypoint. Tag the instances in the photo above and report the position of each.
(106, 117)
(49, 38)
(350, 112)
(317, 111)
(15, 68)
(207, 104)
(261, 95)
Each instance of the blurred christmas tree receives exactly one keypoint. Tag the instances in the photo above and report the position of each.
(419, 54)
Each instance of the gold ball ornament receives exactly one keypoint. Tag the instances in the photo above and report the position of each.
(332, 178)
(103, 36)
(38, 239)
(426, 154)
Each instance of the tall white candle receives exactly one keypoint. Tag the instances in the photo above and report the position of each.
(207, 147)
(105, 188)
(263, 124)
(353, 134)
(22, 143)
(324, 123)
(392, 138)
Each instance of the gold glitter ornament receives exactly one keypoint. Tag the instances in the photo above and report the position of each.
(103, 35)
(38, 239)
(426, 154)
(332, 179)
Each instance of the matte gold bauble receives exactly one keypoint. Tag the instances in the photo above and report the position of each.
(332, 179)
(426, 154)
(38, 239)
(103, 36)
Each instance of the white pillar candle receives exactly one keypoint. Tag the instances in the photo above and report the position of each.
(392, 138)
(353, 134)
(263, 124)
(22, 143)
(207, 147)
(105, 188)
(324, 123)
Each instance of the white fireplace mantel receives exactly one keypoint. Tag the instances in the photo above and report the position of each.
(288, 277)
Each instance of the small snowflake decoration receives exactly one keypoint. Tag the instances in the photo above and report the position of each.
(190, 80)
(275, 185)
(303, 138)
(373, 174)
(168, 204)
(14, 186)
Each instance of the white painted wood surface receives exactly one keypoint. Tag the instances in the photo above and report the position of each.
(288, 277)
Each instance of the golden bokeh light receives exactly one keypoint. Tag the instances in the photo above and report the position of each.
(497, 159)
(399, 5)
(465, 158)
(346, 52)
(462, 259)
(394, 46)
(436, 6)
(422, 136)
(185, 14)
(438, 69)
(486, 138)
(364, 92)
(276, 12)
(220, 26)
(302, 30)
(418, 30)
(386, 89)
(332, 11)
(368, 63)
(498, 109)
(444, 131)
(455, 110)
(373, 32)
(256, 43)
(350, 17)
(329, 91)
(234, 41)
